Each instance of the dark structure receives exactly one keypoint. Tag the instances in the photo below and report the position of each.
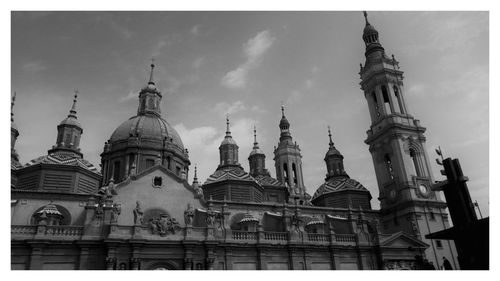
(471, 235)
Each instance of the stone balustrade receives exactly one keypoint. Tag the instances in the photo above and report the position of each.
(345, 238)
(276, 236)
(244, 235)
(318, 237)
(66, 232)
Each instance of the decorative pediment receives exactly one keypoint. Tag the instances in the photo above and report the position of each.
(402, 240)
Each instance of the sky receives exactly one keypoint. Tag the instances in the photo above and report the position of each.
(247, 64)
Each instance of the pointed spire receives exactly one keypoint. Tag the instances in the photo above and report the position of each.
(330, 136)
(195, 178)
(12, 107)
(72, 111)
(366, 17)
(228, 132)
(255, 144)
(282, 111)
(152, 70)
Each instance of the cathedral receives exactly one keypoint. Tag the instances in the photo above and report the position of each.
(137, 210)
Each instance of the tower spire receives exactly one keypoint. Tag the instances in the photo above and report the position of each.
(195, 178)
(72, 111)
(255, 136)
(228, 132)
(366, 17)
(12, 107)
(282, 111)
(330, 136)
(151, 73)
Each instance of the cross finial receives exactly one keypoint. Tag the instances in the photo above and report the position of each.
(72, 111)
(152, 69)
(12, 107)
(254, 134)
(330, 136)
(228, 132)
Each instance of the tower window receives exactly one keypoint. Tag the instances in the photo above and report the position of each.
(294, 174)
(387, 101)
(388, 163)
(398, 97)
(439, 244)
(415, 159)
(68, 139)
(285, 171)
(374, 96)
(116, 171)
(169, 160)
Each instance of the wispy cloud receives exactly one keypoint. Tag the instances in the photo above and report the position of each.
(33, 66)
(197, 63)
(195, 30)
(131, 95)
(254, 49)
(223, 108)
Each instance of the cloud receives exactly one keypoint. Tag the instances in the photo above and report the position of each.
(254, 49)
(131, 95)
(196, 137)
(223, 108)
(195, 30)
(33, 66)
(197, 63)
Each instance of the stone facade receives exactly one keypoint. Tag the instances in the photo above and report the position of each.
(140, 213)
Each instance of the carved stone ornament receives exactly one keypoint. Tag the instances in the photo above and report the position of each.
(189, 215)
(138, 214)
(115, 212)
(163, 225)
(210, 220)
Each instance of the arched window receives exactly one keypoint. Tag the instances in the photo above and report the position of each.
(387, 100)
(388, 164)
(116, 171)
(416, 166)
(285, 172)
(375, 102)
(169, 162)
(398, 96)
(294, 174)
(67, 140)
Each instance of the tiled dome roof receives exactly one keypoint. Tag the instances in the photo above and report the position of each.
(337, 184)
(147, 127)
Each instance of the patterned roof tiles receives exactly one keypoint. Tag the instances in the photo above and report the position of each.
(268, 181)
(63, 159)
(229, 173)
(338, 184)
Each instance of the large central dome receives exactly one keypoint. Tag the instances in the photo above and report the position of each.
(147, 127)
(144, 141)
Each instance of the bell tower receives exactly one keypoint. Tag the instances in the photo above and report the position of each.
(397, 144)
(288, 162)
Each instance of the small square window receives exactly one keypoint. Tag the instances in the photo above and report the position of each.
(157, 182)
(439, 244)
